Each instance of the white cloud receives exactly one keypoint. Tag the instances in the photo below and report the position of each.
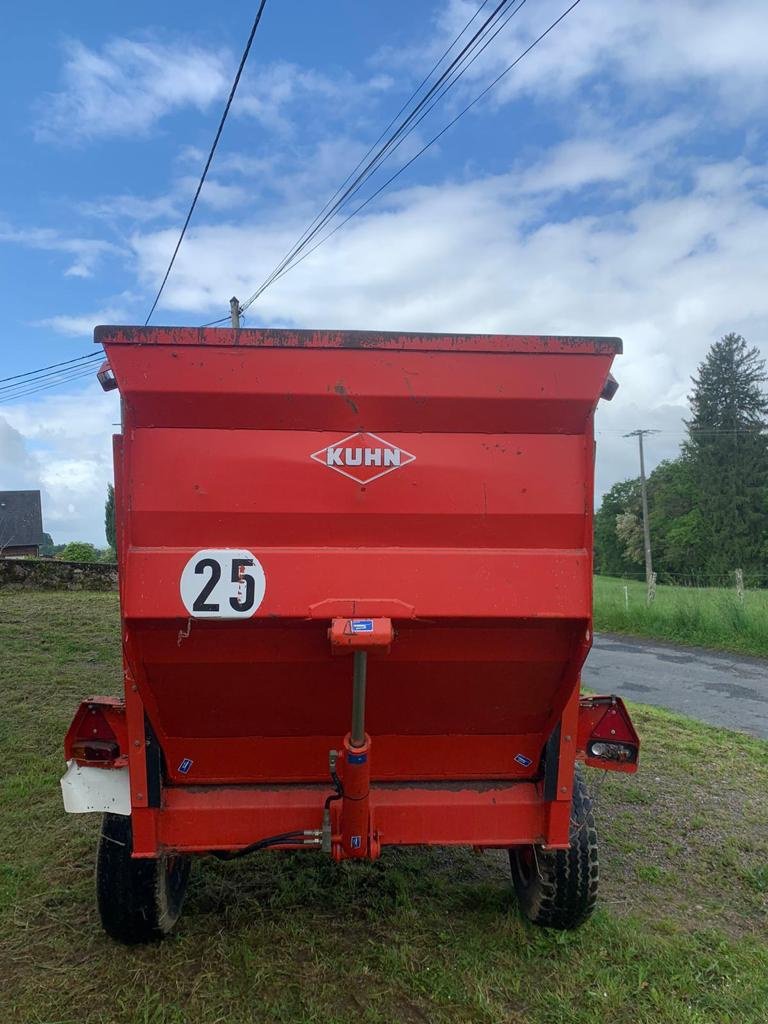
(84, 323)
(14, 458)
(274, 93)
(642, 43)
(215, 194)
(66, 445)
(606, 156)
(131, 207)
(127, 87)
(87, 252)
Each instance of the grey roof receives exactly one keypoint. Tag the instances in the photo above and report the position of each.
(21, 519)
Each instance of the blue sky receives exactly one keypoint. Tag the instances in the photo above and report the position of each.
(614, 183)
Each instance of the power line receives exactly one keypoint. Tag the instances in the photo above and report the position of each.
(213, 323)
(424, 148)
(384, 151)
(34, 373)
(485, 34)
(284, 270)
(219, 130)
(692, 431)
(43, 376)
(373, 146)
(74, 375)
(60, 375)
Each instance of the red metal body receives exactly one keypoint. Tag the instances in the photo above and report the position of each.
(437, 487)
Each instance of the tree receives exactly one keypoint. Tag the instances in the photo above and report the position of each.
(611, 556)
(629, 530)
(675, 519)
(727, 449)
(79, 551)
(109, 517)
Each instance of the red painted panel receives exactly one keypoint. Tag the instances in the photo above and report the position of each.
(436, 583)
(246, 486)
(231, 817)
(349, 390)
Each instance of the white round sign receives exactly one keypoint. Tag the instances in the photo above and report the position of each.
(222, 583)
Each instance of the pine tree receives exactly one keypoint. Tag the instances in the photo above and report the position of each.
(727, 447)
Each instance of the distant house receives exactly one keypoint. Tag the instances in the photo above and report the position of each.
(21, 524)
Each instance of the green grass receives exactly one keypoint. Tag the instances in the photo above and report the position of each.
(703, 616)
(680, 936)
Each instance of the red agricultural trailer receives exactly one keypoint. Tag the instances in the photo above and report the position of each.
(356, 597)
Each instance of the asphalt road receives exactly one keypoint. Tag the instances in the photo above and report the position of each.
(722, 689)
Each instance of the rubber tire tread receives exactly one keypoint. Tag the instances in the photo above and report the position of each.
(563, 892)
(136, 900)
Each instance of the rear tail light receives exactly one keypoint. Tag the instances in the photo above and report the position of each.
(97, 735)
(621, 752)
(607, 738)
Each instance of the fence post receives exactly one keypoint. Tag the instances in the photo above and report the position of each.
(739, 573)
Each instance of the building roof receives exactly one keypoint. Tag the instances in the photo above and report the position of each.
(21, 519)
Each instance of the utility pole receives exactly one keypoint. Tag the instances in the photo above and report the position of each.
(639, 434)
(234, 309)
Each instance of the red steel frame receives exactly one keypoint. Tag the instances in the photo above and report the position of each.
(415, 801)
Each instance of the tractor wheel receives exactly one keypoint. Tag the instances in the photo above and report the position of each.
(558, 888)
(138, 900)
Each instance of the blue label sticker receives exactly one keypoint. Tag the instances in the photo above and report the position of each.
(357, 842)
(357, 758)
(362, 625)
(185, 765)
(526, 762)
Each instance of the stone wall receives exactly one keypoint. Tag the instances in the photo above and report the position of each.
(49, 574)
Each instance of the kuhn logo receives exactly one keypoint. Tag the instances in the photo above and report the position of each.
(363, 457)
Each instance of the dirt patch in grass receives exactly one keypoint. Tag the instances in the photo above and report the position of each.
(422, 935)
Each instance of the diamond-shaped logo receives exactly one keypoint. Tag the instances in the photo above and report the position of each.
(363, 457)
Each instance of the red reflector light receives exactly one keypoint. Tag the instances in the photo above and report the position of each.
(97, 734)
(95, 750)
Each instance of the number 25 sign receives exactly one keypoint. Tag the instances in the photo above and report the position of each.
(222, 583)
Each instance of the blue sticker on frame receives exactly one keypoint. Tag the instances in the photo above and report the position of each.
(526, 762)
(185, 765)
(362, 625)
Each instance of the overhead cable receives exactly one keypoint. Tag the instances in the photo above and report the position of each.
(446, 80)
(211, 152)
(431, 142)
(40, 371)
(34, 388)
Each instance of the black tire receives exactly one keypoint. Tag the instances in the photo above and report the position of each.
(558, 888)
(138, 900)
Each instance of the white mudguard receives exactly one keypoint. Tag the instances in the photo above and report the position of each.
(88, 789)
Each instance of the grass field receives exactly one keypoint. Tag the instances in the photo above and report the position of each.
(681, 936)
(704, 616)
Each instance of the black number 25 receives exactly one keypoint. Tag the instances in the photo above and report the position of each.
(238, 564)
